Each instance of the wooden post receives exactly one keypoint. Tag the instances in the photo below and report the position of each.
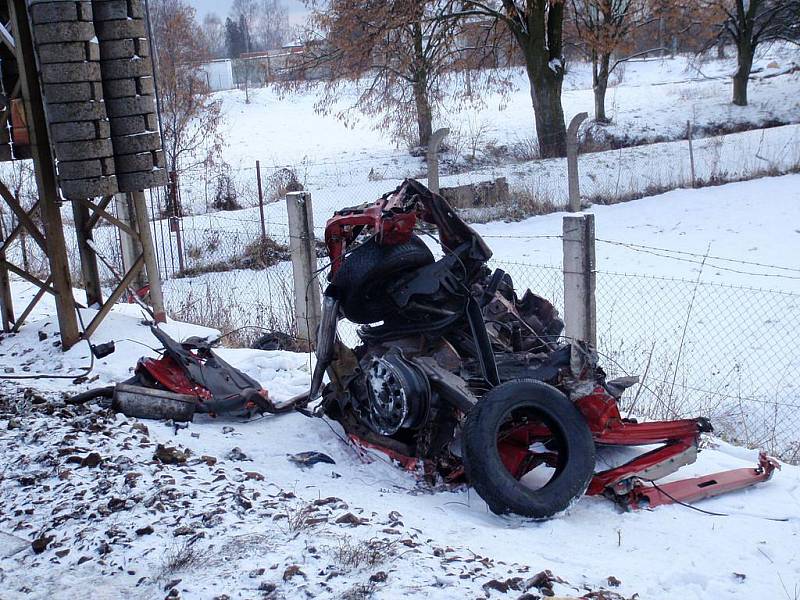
(433, 158)
(175, 218)
(91, 274)
(580, 313)
(572, 162)
(261, 203)
(149, 254)
(45, 176)
(691, 152)
(175, 227)
(130, 245)
(307, 303)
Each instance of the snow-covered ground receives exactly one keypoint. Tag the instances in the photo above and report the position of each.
(650, 100)
(216, 525)
(125, 524)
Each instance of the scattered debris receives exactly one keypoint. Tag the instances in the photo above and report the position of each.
(309, 459)
(169, 455)
(292, 571)
(351, 519)
(40, 544)
(91, 460)
(237, 455)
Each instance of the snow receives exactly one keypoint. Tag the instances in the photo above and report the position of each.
(738, 221)
(648, 100)
(238, 523)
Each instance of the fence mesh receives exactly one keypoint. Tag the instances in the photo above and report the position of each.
(725, 352)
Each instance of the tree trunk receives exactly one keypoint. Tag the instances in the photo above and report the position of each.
(424, 113)
(420, 87)
(541, 43)
(744, 58)
(23, 243)
(600, 73)
(551, 132)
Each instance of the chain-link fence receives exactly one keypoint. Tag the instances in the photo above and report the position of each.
(722, 351)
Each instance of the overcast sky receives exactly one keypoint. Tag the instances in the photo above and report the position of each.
(296, 9)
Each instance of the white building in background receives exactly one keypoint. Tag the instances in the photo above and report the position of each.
(219, 74)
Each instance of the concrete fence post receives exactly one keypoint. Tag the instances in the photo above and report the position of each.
(572, 161)
(580, 313)
(302, 245)
(433, 158)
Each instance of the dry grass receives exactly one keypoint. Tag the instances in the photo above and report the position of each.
(360, 591)
(353, 554)
(182, 557)
(527, 201)
(213, 305)
(302, 517)
(261, 253)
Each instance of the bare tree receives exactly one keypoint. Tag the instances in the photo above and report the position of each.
(604, 30)
(18, 176)
(749, 23)
(271, 28)
(190, 116)
(214, 31)
(537, 26)
(264, 23)
(245, 12)
(402, 58)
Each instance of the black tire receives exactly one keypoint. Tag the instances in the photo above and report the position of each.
(570, 435)
(367, 271)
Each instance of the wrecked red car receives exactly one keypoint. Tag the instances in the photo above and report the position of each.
(459, 373)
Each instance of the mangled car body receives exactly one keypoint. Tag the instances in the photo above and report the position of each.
(460, 373)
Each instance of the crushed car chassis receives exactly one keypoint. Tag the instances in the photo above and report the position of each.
(391, 221)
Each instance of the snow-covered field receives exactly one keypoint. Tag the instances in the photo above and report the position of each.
(650, 100)
(125, 524)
